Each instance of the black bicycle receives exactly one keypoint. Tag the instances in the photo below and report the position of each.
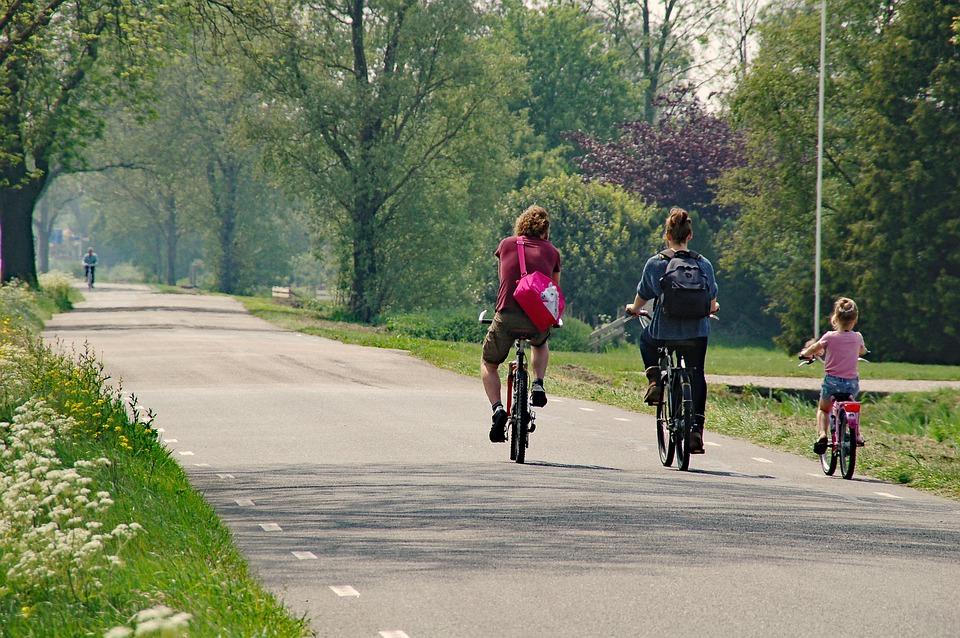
(522, 417)
(675, 415)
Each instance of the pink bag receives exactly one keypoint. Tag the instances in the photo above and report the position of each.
(537, 295)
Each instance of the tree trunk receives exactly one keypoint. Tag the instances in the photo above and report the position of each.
(16, 226)
(44, 226)
(364, 298)
(223, 177)
(171, 235)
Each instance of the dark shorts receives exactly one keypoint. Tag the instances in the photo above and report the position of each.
(507, 327)
(838, 385)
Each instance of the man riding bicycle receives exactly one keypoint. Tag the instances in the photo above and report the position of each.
(511, 322)
(665, 327)
(90, 266)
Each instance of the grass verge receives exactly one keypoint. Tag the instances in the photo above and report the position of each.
(76, 467)
(913, 438)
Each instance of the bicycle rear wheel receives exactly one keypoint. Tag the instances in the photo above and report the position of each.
(847, 443)
(684, 424)
(665, 444)
(521, 420)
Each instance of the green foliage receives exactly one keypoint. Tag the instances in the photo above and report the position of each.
(574, 336)
(58, 287)
(442, 325)
(603, 234)
(565, 51)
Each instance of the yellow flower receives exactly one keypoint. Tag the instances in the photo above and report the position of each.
(26, 611)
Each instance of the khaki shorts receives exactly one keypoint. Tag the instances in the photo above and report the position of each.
(507, 327)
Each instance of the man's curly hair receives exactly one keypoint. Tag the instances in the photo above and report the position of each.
(533, 222)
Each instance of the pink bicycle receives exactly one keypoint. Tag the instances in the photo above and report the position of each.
(844, 434)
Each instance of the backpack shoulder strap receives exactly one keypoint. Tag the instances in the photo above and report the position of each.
(667, 254)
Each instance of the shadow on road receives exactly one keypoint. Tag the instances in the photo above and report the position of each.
(367, 520)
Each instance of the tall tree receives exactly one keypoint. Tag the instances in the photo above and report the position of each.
(59, 60)
(902, 227)
(667, 41)
(371, 100)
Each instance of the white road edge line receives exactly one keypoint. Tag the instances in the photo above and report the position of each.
(226, 476)
(620, 418)
(202, 464)
(270, 527)
(815, 475)
(304, 555)
(396, 633)
(243, 502)
(887, 494)
(760, 459)
(711, 444)
(186, 453)
(588, 409)
(344, 590)
(170, 441)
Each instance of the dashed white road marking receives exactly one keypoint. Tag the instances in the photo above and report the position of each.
(396, 633)
(202, 464)
(585, 410)
(304, 555)
(186, 453)
(814, 475)
(270, 527)
(711, 444)
(243, 502)
(620, 418)
(344, 590)
(558, 400)
(887, 494)
(760, 459)
(226, 476)
(169, 440)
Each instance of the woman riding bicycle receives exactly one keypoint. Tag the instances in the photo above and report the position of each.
(666, 327)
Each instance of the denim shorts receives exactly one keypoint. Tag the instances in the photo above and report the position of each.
(837, 385)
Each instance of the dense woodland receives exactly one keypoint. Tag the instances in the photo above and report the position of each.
(380, 149)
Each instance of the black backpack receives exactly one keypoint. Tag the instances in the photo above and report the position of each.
(686, 290)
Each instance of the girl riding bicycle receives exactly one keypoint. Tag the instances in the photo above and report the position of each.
(841, 348)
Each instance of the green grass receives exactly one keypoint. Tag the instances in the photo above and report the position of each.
(913, 438)
(185, 560)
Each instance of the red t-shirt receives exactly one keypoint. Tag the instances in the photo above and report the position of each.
(539, 254)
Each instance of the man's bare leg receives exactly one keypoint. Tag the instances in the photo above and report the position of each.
(491, 381)
(540, 356)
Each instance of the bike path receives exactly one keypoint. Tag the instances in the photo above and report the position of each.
(368, 471)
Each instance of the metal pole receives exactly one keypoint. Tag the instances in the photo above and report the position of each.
(823, 56)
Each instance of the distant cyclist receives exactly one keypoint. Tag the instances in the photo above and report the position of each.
(90, 267)
(510, 322)
(666, 327)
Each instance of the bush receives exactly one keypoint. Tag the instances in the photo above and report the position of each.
(58, 287)
(574, 336)
(441, 325)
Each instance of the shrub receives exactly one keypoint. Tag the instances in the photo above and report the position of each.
(574, 336)
(58, 287)
(442, 325)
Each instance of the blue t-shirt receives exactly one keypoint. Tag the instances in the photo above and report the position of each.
(667, 328)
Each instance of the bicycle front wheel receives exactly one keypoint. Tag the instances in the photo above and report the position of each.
(847, 442)
(521, 417)
(684, 425)
(665, 444)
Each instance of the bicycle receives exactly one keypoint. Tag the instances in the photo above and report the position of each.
(88, 273)
(522, 419)
(844, 433)
(675, 414)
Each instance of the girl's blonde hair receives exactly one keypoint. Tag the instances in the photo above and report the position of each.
(845, 314)
(533, 222)
(679, 226)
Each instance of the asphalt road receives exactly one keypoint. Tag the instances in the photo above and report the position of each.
(361, 486)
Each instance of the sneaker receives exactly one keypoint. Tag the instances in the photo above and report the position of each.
(820, 446)
(538, 397)
(696, 442)
(498, 430)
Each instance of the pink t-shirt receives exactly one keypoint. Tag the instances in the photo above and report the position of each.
(841, 351)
